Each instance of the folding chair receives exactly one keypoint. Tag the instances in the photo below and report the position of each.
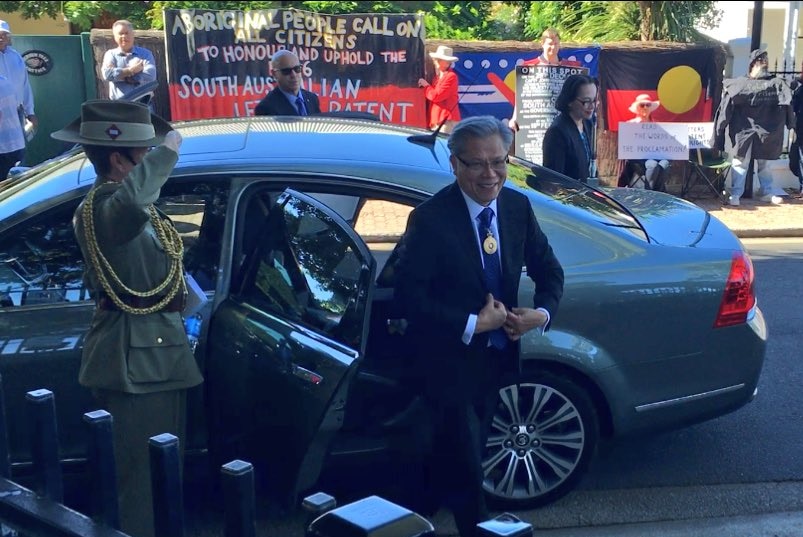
(709, 168)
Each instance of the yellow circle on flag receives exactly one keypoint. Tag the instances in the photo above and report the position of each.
(679, 89)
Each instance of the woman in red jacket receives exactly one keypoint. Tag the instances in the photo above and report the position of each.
(442, 93)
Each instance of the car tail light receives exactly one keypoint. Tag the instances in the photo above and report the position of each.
(738, 298)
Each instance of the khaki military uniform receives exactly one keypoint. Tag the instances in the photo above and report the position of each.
(138, 366)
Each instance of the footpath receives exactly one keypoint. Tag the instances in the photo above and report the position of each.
(756, 219)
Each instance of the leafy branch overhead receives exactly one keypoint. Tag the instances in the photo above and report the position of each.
(494, 21)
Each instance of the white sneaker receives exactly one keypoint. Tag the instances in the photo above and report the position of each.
(733, 200)
(769, 198)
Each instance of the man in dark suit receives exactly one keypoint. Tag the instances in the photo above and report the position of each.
(457, 282)
(288, 98)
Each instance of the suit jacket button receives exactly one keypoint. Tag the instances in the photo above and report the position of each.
(159, 340)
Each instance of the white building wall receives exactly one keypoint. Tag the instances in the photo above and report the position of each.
(780, 31)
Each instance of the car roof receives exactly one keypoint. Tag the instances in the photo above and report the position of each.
(312, 138)
(314, 144)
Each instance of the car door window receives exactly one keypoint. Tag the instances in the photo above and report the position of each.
(382, 220)
(307, 269)
(40, 261)
(198, 211)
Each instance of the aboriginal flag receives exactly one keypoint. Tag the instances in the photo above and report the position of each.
(681, 80)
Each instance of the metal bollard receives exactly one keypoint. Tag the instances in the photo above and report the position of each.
(505, 525)
(317, 504)
(5, 461)
(168, 498)
(102, 469)
(237, 478)
(369, 517)
(45, 445)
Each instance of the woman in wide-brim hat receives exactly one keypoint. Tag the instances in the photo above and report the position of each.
(442, 93)
(136, 359)
(643, 106)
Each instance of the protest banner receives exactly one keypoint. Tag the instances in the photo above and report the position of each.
(487, 78)
(537, 89)
(218, 61)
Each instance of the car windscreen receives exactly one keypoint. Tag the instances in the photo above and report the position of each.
(534, 180)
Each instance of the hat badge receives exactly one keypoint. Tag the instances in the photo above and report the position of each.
(113, 131)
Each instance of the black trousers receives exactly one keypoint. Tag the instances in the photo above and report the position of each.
(460, 429)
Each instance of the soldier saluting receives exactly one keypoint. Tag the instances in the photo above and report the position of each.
(136, 358)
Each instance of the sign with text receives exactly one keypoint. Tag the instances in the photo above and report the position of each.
(487, 78)
(700, 135)
(537, 87)
(657, 141)
(218, 61)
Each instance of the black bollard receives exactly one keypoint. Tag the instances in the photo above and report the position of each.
(168, 499)
(102, 470)
(45, 445)
(237, 478)
(5, 461)
(505, 525)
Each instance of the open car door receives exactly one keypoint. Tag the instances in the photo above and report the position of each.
(286, 343)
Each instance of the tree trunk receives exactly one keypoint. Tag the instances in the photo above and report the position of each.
(646, 20)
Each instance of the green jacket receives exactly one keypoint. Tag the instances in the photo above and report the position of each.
(127, 352)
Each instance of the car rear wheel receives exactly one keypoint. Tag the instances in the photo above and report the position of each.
(544, 433)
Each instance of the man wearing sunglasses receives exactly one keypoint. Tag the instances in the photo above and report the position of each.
(288, 98)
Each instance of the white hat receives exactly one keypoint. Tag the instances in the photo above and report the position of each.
(443, 53)
(643, 98)
(4, 27)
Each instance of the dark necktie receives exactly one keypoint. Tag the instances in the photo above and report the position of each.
(302, 110)
(492, 269)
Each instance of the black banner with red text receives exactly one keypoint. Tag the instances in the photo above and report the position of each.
(218, 61)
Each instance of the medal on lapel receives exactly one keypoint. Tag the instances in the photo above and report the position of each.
(489, 244)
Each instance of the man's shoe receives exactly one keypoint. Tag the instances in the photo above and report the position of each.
(733, 200)
(769, 198)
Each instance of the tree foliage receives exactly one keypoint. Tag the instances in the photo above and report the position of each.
(581, 21)
(621, 21)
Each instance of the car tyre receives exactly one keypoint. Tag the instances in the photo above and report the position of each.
(544, 433)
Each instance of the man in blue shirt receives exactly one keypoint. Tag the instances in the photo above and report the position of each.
(12, 67)
(12, 142)
(288, 98)
(126, 67)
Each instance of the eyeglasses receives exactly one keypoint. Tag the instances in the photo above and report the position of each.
(479, 165)
(644, 105)
(287, 70)
(587, 103)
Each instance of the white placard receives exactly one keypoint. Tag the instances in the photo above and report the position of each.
(658, 141)
(700, 135)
